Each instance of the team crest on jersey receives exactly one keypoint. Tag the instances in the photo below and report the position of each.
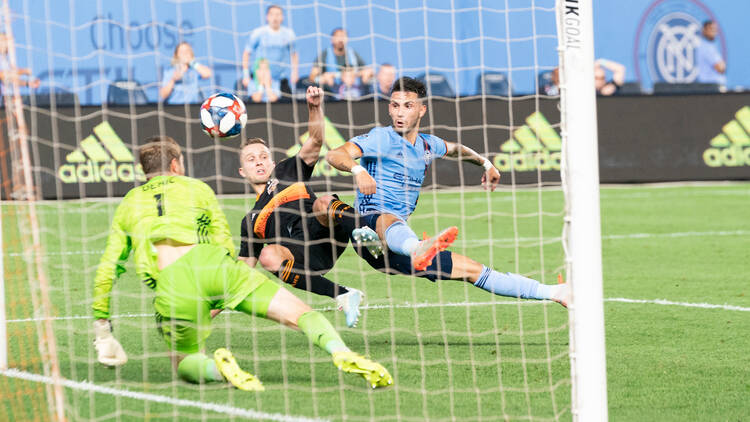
(427, 157)
(272, 185)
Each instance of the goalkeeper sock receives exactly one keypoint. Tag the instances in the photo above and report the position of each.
(293, 272)
(320, 332)
(401, 239)
(512, 285)
(197, 368)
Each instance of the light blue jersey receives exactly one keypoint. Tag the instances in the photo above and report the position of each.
(706, 56)
(398, 168)
(274, 46)
(186, 90)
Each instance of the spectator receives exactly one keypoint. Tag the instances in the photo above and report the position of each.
(711, 66)
(549, 82)
(179, 85)
(603, 86)
(263, 89)
(349, 88)
(8, 74)
(275, 44)
(332, 60)
(384, 79)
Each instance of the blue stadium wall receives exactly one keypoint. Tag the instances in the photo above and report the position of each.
(84, 44)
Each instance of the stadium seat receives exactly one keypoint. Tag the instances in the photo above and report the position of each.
(493, 83)
(124, 91)
(630, 88)
(666, 88)
(43, 97)
(437, 85)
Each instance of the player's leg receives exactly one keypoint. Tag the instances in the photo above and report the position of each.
(330, 211)
(401, 239)
(288, 262)
(186, 292)
(505, 284)
(272, 301)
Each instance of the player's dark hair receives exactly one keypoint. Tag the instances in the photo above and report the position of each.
(707, 22)
(157, 154)
(337, 29)
(274, 6)
(251, 141)
(407, 84)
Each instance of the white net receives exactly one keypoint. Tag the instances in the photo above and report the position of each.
(456, 352)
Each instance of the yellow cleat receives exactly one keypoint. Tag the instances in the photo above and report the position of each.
(228, 367)
(375, 374)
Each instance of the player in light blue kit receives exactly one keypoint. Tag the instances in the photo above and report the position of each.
(394, 161)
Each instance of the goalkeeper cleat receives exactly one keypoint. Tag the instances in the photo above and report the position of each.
(561, 292)
(367, 238)
(228, 367)
(422, 257)
(375, 374)
(349, 302)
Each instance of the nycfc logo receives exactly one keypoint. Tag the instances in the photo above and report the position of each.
(666, 41)
(671, 54)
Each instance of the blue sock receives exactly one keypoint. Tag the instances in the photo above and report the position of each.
(512, 285)
(401, 239)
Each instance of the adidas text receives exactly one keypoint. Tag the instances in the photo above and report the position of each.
(93, 172)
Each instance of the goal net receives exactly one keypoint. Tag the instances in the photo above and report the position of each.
(456, 352)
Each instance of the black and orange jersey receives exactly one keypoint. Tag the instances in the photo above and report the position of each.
(279, 210)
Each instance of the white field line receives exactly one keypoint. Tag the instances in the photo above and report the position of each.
(420, 305)
(483, 242)
(213, 407)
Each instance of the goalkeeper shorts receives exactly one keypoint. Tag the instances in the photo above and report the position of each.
(203, 279)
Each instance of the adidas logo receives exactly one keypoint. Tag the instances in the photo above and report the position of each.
(331, 139)
(731, 148)
(101, 157)
(535, 145)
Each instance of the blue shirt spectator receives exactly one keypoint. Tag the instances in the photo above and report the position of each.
(711, 66)
(179, 85)
(275, 44)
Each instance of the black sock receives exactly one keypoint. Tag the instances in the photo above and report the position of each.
(293, 272)
(344, 215)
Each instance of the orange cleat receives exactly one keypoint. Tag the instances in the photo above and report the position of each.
(428, 248)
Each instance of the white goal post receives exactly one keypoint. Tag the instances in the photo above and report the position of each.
(580, 173)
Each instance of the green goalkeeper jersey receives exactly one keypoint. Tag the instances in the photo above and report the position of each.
(179, 208)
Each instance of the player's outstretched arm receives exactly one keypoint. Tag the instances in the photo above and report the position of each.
(343, 157)
(491, 176)
(310, 151)
(108, 349)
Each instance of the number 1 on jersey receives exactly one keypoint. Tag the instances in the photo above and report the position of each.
(159, 205)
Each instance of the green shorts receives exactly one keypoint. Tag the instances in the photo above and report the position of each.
(203, 279)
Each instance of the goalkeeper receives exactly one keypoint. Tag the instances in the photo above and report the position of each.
(292, 232)
(394, 163)
(183, 250)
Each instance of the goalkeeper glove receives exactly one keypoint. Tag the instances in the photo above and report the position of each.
(108, 350)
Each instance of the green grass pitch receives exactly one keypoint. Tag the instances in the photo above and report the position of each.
(456, 352)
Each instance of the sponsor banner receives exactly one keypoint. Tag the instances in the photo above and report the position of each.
(658, 139)
(641, 139)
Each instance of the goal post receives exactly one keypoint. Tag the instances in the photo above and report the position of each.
(580, 174)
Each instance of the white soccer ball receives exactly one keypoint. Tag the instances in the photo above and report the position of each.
(223, 115)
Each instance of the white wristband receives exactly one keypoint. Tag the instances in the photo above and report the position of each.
(357, 169)
(487, 164)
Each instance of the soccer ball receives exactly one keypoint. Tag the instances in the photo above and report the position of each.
(223, 115)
